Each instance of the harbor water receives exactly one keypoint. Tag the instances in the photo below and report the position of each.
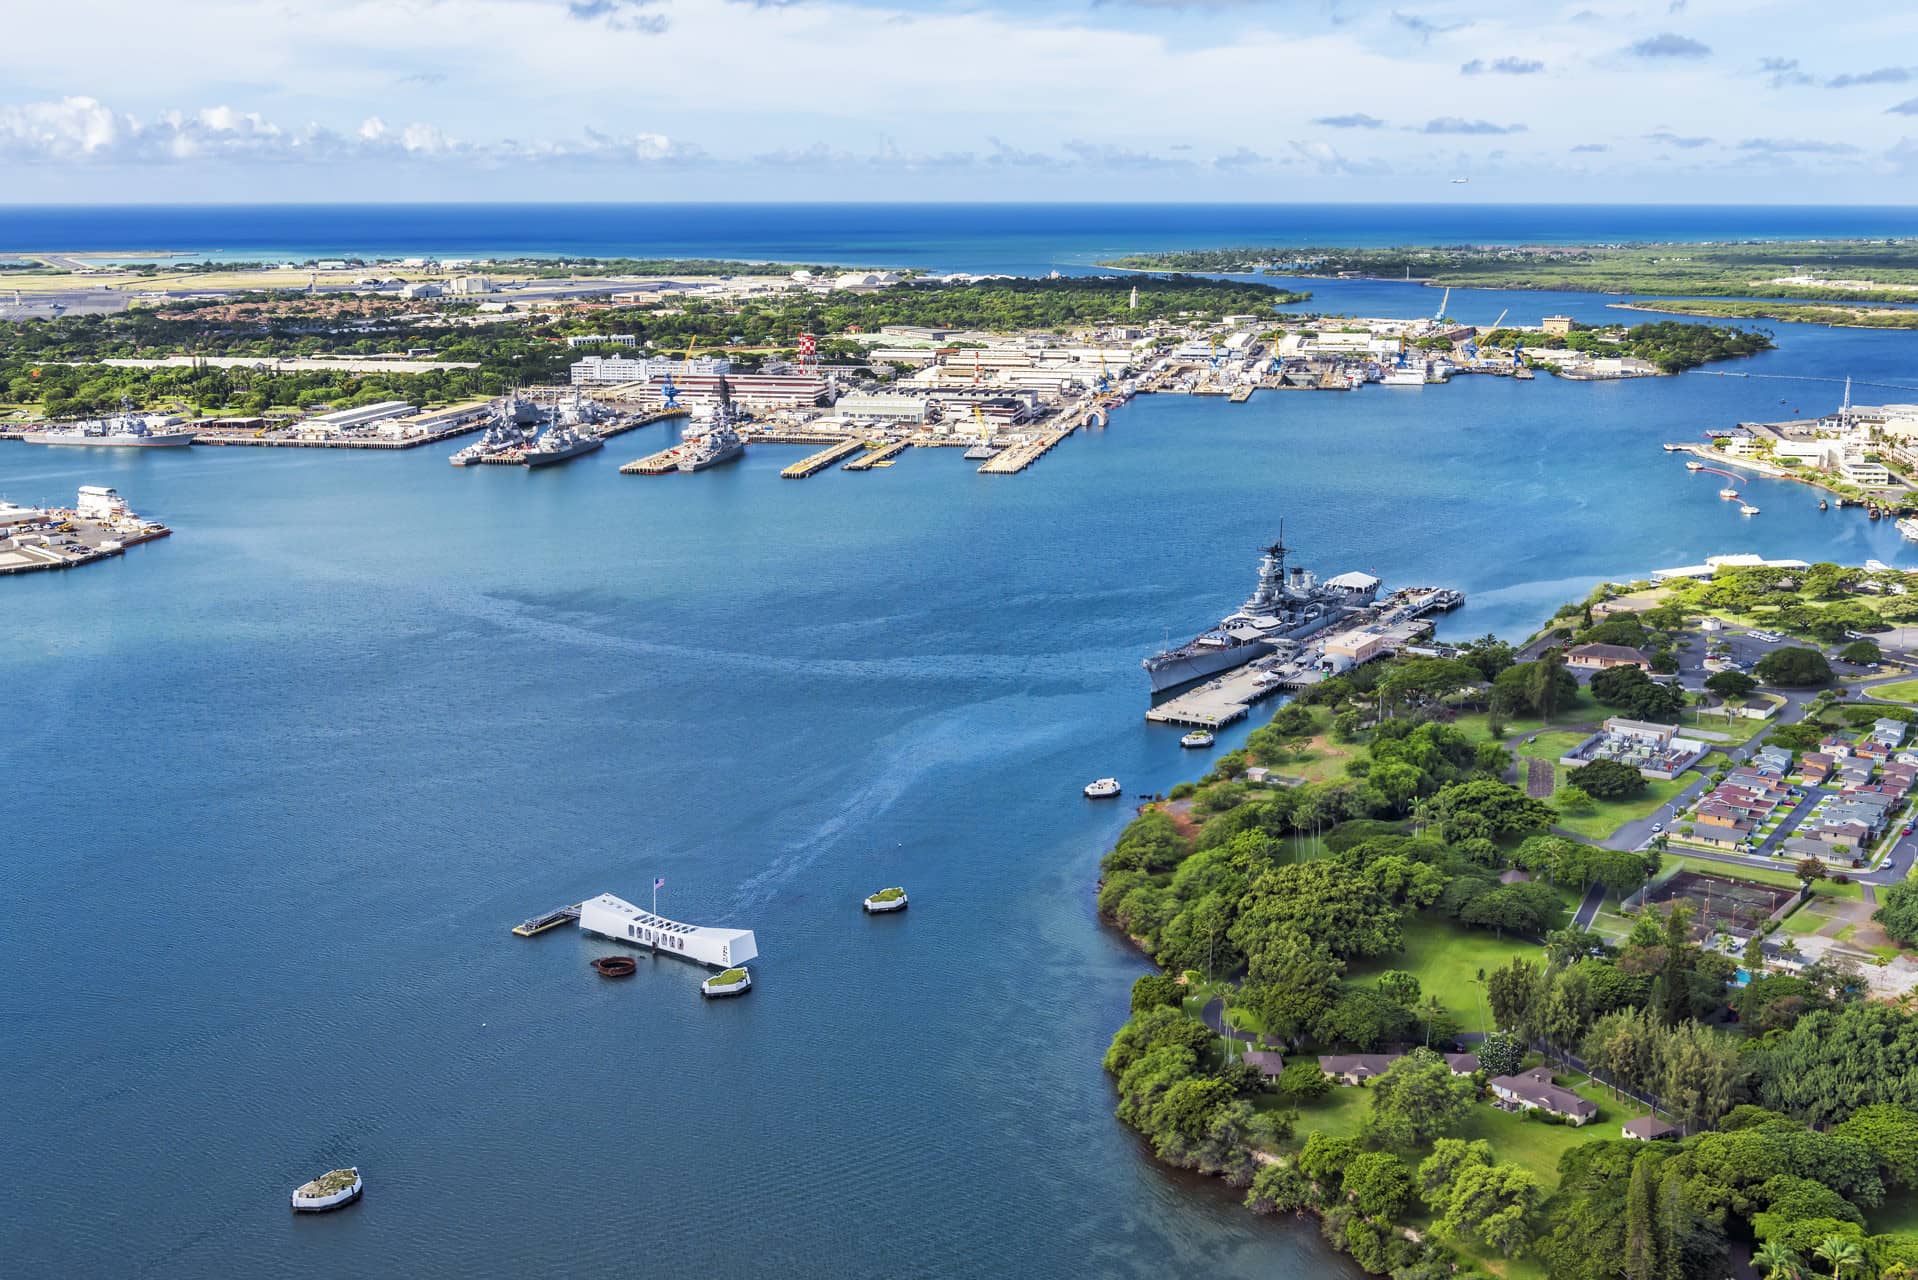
(281, 785)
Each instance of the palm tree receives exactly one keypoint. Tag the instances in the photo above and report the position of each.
(1775, 1261)
(1840, 1253)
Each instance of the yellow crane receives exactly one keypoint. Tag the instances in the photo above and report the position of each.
(985, 432)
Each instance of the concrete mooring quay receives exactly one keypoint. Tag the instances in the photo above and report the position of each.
(1374, 632)
(883, 454)
(814, 463)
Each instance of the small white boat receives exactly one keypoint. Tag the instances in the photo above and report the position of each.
(1197, 738)
(1694, 466)
(1103, 789)
(331, 1190)
(731, 982)
(893, 899)
(1728, 494)
(1747, 510)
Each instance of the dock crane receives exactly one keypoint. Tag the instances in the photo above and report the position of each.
(1439, 315)
(1105, 378)
(668, 393)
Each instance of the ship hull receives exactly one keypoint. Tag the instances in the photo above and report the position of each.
(718, 459)
(113, 442)
(548, 459)
(1187, 668)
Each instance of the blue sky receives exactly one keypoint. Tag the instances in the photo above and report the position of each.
(1269, 100)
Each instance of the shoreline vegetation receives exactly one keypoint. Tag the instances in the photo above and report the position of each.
(1671, 345)
(1350, 929)
(1853, 271)
(1837, 317)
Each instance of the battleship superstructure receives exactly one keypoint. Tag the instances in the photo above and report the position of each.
(126, 429)
(515, 425)
(720, 441)
(1288, 604)
(561, 441)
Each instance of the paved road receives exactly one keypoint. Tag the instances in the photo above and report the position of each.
(1634, 835)
(1588, 909)
(1213, 1015)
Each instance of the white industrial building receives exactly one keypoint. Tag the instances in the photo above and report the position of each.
(884, 408)
(620, 920)
(420, 290)
(608, 370)
(603, 340)
(470, 284)
(364, 416)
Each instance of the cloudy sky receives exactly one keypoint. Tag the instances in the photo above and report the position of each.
(1601, 100)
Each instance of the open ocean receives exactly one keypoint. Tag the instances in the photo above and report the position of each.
(1019, 238)
(279, 785)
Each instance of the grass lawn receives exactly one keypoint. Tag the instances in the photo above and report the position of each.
(1735, 729)
(1585, 709)
(1318, 759)
(1903, 691)
(1899, 1215)
(1805, 920)
(1610, 815)
(1446, 960)
(1531, 1143)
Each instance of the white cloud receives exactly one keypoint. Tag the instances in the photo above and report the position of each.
(81, 130)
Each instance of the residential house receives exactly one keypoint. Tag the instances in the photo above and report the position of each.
(1648, 1129)
(1270, 1062)
(1777, 758)
(1890, 732)
(1356, 1068)
(1845, 834)
(1603, 657)
(1815, 767)
(1462, 1064)
(1534, 1091)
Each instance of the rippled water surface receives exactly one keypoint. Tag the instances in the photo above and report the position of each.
(279, 786)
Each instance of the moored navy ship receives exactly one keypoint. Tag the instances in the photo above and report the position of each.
(1289, 604)
(514, 427)
(720, 442)
(561, 441)
(126, 429)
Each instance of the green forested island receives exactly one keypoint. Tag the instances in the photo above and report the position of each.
(1355, 924)
(1670, 344)
(1853, 270)
(1858, 317)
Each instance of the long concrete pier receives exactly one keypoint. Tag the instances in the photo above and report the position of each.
(884, 453)
(814, 463)
(653, 464)
(1020, 456)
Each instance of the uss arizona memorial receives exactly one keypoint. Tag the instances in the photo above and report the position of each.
(621, 921)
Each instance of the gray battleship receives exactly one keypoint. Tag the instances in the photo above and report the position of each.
(515, 425)
(721, 441)
(127, 429)
(1289, 604)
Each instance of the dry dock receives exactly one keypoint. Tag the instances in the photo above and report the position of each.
(813, 464)
(884, 453)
